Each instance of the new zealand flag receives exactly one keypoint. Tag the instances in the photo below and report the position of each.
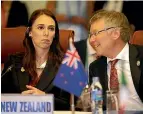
(71, 76)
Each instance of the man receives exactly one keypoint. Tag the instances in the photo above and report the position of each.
(109, 36)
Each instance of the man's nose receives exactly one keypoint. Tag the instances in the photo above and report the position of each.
(92, 40)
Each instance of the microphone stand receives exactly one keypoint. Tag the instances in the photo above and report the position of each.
(8, 69)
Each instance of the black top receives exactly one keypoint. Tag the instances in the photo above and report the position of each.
(15, 81)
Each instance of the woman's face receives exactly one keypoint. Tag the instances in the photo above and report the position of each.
(43, 32)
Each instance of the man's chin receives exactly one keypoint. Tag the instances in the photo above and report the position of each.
(98, 53)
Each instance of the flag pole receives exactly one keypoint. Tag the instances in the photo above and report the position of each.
(72, 104)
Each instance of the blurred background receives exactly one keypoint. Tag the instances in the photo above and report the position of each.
(70, 14)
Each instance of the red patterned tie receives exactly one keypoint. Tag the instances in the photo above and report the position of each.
(114, 83)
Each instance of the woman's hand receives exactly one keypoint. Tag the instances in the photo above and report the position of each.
(32, 90)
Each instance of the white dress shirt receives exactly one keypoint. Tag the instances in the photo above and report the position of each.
(90, 56)
(133, 102)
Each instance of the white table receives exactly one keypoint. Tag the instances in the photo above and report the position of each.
(69, 112)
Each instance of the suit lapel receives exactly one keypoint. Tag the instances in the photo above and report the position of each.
(23, 78)
(134, 66)
(47, 77)
(102, 73)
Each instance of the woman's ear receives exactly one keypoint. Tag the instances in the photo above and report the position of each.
(30, 34)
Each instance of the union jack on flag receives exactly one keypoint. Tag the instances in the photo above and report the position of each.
(71, 75)
(71, 58)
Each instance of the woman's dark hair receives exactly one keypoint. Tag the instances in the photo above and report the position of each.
(55, 52)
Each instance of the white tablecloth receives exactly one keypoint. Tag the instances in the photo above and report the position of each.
(69, 112)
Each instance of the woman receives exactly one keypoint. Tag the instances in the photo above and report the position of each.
(33, 72)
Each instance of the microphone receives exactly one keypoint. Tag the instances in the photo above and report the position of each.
(7, 70)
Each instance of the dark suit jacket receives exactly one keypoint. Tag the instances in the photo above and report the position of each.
(18, 15)
(16, 80)
(99, 68)
(81, 47)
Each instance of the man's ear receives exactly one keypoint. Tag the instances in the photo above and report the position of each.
(116, 33)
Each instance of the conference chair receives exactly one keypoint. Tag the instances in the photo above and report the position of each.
(12, 41)
(137, 38)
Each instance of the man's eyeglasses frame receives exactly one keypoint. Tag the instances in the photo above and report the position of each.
(98, 32)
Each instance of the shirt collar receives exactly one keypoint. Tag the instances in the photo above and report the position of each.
(90, 49)
(123, 55)
(43, 65)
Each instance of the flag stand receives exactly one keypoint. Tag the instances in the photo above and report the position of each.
(72, 104)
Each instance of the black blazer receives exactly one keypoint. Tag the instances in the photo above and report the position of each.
(16, 80)
(99, 68)
(81, 47)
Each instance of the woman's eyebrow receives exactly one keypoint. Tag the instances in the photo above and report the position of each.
(44, 24)
(51, 26)
(40, 24)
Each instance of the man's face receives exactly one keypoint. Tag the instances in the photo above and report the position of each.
(100, 37)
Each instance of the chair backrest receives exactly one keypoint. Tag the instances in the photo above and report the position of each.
(137, 38)
(12, 40)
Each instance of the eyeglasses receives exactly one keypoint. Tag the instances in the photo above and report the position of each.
(98, 32)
